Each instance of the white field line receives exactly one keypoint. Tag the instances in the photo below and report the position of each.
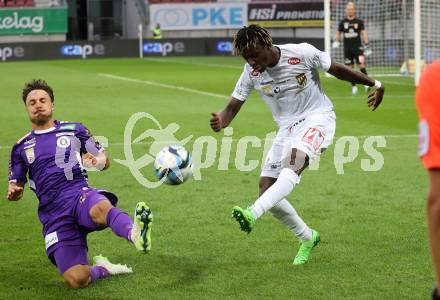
(166, 60)
(392, 136)
(163, 85)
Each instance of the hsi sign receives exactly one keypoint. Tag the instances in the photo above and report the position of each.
(33, 21)
(193, 16)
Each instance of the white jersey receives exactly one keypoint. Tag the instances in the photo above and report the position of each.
(291, 88)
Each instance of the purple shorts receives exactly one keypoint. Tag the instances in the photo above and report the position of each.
(66, 231)
(66, 257)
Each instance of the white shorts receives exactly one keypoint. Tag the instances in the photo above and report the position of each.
(311, 135)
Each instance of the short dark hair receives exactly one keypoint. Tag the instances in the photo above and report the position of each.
(249, 37)
(37, 84)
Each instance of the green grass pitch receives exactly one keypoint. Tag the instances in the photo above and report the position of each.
(373, 228)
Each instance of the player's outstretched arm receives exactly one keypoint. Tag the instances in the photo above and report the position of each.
(15, 191)
(99, 162)
(347, 74)
(224, 118)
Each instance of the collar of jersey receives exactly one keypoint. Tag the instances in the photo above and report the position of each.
(45, 130)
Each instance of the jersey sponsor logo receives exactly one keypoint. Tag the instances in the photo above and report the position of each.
(423, 138)
(63, 141)
(68, 127)
(51, 239)
(31, 141)
(314, 137)
(30, 154)
(351, 34)
(302, 79)
(293, 61)
(267, 90)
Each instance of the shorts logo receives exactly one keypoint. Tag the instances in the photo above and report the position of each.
(293, 61)
(302, 79)
(423, 138)
(314, 137)
(63, 142)
(51, 239)
(30, 154)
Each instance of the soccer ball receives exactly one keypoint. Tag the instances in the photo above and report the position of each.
(173, 165)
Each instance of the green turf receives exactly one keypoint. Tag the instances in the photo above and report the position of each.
(372, 224)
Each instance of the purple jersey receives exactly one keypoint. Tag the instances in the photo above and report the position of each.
(51, 159)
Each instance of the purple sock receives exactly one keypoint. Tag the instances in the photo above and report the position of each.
(120, 223)
(97, 272)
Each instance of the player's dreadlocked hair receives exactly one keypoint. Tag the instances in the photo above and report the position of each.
(251, 36)
(37, 84)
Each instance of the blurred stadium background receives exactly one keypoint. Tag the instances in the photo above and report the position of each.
(404, 34)
(102, 60)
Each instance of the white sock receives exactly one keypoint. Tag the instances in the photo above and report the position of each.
(278, 191)
(287, 215)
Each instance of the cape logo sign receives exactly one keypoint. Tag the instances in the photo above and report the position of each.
(225, 47)
(82, 50)
(35, 23)
(164, 48)
(8, 52)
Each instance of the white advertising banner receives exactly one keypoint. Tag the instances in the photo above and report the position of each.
(198, 16)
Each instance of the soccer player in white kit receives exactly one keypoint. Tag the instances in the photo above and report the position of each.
(287, 79)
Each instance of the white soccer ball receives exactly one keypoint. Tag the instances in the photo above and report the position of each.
(173, 165)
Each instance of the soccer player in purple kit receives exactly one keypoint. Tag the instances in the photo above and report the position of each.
(53, 156)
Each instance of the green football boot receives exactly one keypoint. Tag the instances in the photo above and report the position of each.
(306, 247)
(141, 231)
(244, 217)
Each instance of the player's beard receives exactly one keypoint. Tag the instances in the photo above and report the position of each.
(41, 119)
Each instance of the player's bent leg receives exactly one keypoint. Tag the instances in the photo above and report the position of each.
(245, 217)
(103, 214)
(77, 276)
(294, 164)
(286, 214)
(99, 212)
(72, 264)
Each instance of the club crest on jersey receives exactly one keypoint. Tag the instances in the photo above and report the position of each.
(346, 25)
(355, 26)
(293, 61)
(63, 141)
(302, 79)
(30, 154)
